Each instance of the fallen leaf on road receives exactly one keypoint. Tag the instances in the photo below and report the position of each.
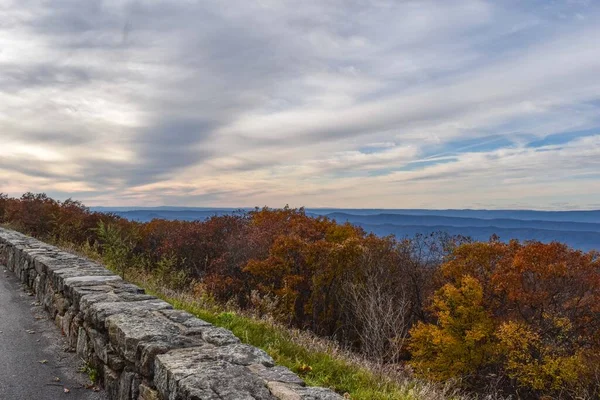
(57, 379)
(66, 390)
(43, 362)
(30, 331)
(92, 387)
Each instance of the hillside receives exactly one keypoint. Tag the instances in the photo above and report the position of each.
(483, 315)
(579, 229)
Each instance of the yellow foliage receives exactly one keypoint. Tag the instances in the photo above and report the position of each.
(535, 365)
(462, 341)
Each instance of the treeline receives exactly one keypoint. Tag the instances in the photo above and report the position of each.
(514, 318)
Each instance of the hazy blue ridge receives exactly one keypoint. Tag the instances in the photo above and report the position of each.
(435, 220)
(589, 216)
(182, 215)
(581, 240)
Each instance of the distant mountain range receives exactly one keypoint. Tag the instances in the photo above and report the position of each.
(580, 229)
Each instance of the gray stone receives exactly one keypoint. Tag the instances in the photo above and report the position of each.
(187, 374)
(97, 313)
(316, 393)
(140, 337)
(240, 354)
(150, 349)
(283, 391)
(276, 374)
(84, 350)
(217, 336)
(111, 383)
(192, 324)
(126, 331)
(128, 386)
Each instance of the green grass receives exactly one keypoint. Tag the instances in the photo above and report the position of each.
(91, 372)
(316, 368)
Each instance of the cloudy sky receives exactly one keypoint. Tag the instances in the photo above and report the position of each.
(343, 103)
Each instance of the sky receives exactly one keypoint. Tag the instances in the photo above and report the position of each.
(317, 103)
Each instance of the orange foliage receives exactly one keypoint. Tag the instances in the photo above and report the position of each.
(524, 317)
(543, 300)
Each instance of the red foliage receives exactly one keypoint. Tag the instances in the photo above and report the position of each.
(540, 301)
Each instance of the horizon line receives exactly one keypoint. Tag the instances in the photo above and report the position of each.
(133, 208)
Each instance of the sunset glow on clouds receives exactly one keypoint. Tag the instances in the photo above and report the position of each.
(378, 104)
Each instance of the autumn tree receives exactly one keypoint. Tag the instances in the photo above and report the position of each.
(541, 301)
(379, 299)
(462, 342)
(4, 201)
(551, 303)
(34, 213)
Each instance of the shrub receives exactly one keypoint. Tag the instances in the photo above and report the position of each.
(116, 246)
(538, 305)
(462, 343)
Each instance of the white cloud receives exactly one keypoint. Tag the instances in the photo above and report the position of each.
(341, 103)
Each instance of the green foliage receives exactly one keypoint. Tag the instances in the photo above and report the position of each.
(116, 246)
(92, 373)
(166, 273)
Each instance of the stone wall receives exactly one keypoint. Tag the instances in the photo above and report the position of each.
(142, 348)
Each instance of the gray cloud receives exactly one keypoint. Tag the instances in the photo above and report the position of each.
(264, 97)
(168, 146)
(17, 77)
(26, 166)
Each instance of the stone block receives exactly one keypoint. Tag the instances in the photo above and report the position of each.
(97, 313)
(276, 374)
(283, 391)
(84, 348)
(187, 374)
(240, 354)
(217, 336)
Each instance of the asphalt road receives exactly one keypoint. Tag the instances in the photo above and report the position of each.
(33, 362)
